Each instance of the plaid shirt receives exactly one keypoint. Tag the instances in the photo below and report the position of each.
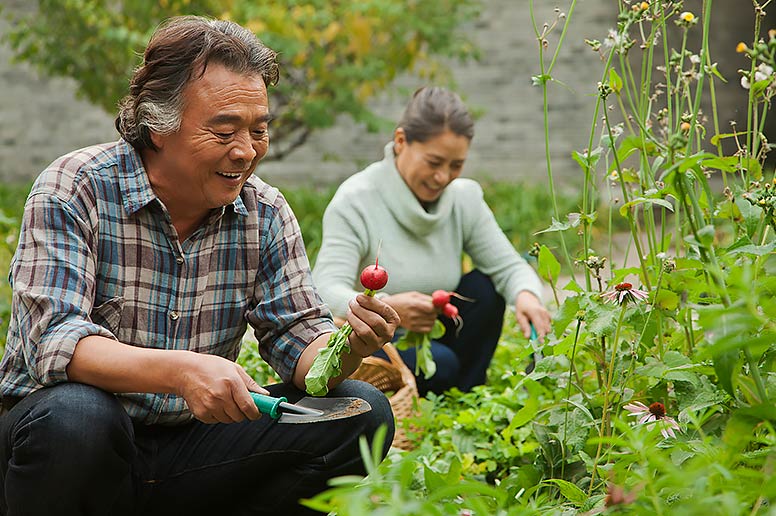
(98, 255)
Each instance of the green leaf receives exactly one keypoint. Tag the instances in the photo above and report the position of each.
(438, 331)
(666, 299)
(424, 360)
(570, 491)
(725, 366)
(587, 160)
(561, 226)
(434, 480)
(644, 200)
(615, 81)
(717, 137)
(328, 362)
(549, 267)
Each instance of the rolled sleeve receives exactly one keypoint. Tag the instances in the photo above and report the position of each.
(52, 277)
(289, 313)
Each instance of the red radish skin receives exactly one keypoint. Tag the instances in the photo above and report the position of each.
(440, 298)
(374, 277)
(450, 310)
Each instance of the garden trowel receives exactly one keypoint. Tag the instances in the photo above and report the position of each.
(536, 355)
(308, 409)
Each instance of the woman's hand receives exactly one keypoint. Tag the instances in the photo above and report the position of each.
(415, 309)
(528, 309)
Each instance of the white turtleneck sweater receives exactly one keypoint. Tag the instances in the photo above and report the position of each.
(421, 250)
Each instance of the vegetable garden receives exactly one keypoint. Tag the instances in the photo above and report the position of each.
(655, 392)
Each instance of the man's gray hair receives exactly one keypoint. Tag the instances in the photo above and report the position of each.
(179, 52)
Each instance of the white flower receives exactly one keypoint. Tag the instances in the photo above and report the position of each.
(763, 72)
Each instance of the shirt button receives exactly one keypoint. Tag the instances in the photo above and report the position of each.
(179, 260)
(174, 315)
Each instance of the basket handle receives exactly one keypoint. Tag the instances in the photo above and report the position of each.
(393, 354)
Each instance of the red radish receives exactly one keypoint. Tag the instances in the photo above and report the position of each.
(440, 298)
(374, 277)
(450, 310)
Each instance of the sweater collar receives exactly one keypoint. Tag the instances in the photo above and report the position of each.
(403, 204)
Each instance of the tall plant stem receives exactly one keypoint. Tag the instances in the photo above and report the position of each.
(568, 395)
(544, 79)
(631, 222)
(603, 429)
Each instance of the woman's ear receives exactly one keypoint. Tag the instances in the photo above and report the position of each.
(399, 140)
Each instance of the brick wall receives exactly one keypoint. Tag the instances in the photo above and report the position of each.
(40, 118)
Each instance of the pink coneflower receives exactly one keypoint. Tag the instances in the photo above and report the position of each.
(624, 292)
(654, 414)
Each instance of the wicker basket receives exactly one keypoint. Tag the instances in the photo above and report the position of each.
(396, 377)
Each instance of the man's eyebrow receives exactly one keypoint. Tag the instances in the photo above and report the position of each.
(225, 118)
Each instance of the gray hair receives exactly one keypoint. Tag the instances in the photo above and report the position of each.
(179, 52)
(433, 110)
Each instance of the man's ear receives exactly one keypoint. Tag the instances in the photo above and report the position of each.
(157, 139)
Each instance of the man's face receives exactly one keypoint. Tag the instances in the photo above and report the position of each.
(222, 137)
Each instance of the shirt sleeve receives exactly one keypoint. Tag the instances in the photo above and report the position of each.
(342, 249)
(52, 277)
(289, 313)
(493, 253)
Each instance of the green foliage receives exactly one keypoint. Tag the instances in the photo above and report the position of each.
(424, 361)
(334, 56)
(328, 362)
(12, 199)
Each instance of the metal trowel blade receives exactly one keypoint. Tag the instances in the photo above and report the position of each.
(329, 408)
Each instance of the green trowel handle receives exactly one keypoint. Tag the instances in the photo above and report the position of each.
(267, 404)
(534, 336)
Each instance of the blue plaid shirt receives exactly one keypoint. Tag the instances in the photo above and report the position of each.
(98, 255)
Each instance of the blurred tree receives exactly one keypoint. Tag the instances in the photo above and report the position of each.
(334, 54)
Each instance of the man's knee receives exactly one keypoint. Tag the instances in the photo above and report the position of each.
(76, 421)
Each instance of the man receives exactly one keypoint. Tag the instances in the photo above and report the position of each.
(140, 263)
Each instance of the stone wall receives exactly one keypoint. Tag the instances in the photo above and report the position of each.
(40, 118)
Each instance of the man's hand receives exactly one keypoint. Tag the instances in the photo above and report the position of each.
(374, 323)
(217, 389)
(416, 311)
(528, 309)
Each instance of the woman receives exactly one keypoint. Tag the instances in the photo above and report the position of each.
(426, 217)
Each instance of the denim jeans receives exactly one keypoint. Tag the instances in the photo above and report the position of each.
(463, 356)
(71, 449)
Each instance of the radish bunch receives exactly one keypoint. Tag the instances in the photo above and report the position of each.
(328, 362)
(441, 300)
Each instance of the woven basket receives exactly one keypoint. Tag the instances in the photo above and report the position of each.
(396, 377)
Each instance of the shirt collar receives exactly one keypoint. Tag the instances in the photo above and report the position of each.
(136, 188)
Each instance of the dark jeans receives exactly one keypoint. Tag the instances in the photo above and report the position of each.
(462, 360)
(71, 449)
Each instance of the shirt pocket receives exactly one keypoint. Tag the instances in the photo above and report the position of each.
(108, 314)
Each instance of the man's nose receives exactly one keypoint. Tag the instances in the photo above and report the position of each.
(243, 148)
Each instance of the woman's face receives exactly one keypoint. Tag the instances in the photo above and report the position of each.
(428, 167)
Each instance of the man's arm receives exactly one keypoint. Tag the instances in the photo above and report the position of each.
(216, 389)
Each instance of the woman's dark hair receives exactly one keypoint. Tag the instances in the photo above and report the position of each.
(433, 110)
(179, 52)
